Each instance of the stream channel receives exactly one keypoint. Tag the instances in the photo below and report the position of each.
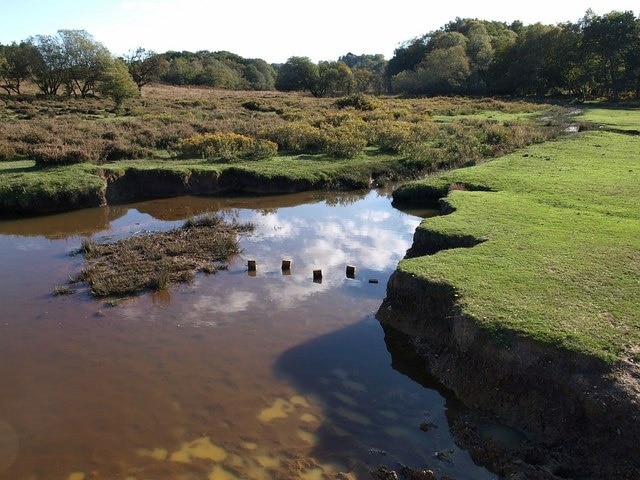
(231, 376)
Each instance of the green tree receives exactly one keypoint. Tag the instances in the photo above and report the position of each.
(446, 70)
(145, 66)
(408, 56)
(334, 78)
(182, 71)
(117, 83)
(259, 74)
(610, 42)
(48, 63)
(85, 61)
(217, 73)
(368, 71)
(523, 69)
(480, 53)
(15, 66)
(297, 74)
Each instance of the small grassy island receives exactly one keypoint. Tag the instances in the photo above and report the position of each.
(153, 260)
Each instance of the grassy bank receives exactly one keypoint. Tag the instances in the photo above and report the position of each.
(560, 254)
(53, 150)
(24, 186)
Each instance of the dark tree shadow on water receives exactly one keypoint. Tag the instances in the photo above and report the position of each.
(379, 408)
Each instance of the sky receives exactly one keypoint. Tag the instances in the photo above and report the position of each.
(277, 29)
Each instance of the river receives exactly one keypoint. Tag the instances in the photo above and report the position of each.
(232, 376)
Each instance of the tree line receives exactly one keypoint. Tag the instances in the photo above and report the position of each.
(597, 56)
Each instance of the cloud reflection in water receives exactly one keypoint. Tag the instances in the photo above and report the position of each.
(368, 233)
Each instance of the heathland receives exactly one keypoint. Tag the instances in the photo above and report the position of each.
(59, 154)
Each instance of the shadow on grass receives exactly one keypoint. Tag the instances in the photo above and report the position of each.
(21, 168)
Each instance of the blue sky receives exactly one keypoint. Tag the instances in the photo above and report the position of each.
(273, 30)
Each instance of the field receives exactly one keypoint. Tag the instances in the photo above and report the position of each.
(559, 232)
(55, 150)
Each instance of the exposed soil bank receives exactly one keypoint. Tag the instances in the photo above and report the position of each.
(53, 202)
(135, 184)
(583, 415)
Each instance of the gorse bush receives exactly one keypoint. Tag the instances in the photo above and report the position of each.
(297, 137)
(226, 146)
(397, 136)
(359, 101)
(7, 150)
(173, 122)
(342, 143)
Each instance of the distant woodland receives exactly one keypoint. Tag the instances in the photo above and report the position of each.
(596, 57)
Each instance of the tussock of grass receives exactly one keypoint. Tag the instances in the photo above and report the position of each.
(60, 290)
(561, 258)
(152, 261)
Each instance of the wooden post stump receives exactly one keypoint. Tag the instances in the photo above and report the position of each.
(317, 276)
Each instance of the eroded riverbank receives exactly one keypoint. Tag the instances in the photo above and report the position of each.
(523, 300)
(582, 414)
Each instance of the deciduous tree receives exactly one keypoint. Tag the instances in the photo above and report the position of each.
(611, 40)
(297, 73)
(48, 63)
(15, 66)
(117, 83)
(145, 66)
(85, 59)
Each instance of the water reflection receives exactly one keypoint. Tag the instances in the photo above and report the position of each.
(90, 221)
(227, 377)
(361, 395)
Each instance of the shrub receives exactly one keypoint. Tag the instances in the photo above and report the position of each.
(344, 143)
(60, 154)
(391, 136)
(359, 101)
(226, 146)
(263, 149)
(121, 150)
(297, 137)
(7, 151)
(396, 137)
(255, 106)
(420, 155)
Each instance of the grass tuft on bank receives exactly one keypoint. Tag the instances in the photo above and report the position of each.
(560, 257)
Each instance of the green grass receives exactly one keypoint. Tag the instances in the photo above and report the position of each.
(495, 115)
(615, 116)
(24, 184)
(560, 261)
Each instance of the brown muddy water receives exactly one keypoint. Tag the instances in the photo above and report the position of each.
(232, 376)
